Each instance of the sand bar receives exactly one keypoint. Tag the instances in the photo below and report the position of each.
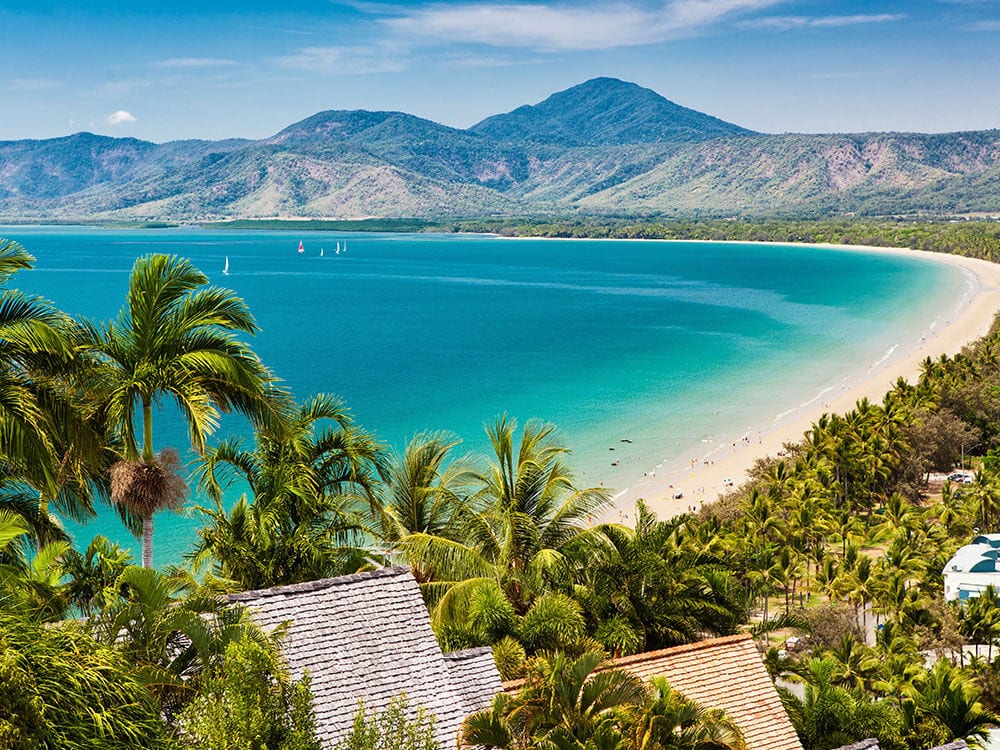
(701, 475)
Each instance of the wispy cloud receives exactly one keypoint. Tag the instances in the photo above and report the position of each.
(567, 27)
(350, 60)
(453, 60)
(120, 117)
(986, 25)
(194, 62)
(785, 23)
(31, 84)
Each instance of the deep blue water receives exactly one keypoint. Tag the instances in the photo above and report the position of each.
(659, 341)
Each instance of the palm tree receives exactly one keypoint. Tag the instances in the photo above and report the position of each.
(655, 586)
(422, 493)
(572, 704)
(829, 716)
(950, 699)
(311, 474)
(47, 443)
(672, 722)
(528, 532)
(563, 701)
(175, 337)
(171, 640)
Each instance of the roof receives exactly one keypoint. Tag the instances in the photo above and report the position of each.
(992, 540)
(725, 673)
(368, 637)
(974, 558)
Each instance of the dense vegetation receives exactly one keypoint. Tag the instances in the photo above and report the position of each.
(840, 532)
(973, 239)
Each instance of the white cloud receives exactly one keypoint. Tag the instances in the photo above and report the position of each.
(117, 118)
(564, 27)
(784, 23)
(194, 62)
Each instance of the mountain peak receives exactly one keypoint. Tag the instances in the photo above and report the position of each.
(606, 111)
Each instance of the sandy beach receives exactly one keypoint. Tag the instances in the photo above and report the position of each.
(702, 474)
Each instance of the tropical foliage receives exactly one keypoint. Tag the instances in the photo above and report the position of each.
(568, 703)
(392, 728)
(250, 703)
(840, 540)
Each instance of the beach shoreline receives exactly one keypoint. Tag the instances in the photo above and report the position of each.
(708, 471)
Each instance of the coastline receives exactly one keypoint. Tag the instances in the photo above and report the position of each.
(702, 473)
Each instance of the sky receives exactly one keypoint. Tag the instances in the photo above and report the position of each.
(216, 69)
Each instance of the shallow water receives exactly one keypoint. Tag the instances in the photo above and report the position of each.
(663, 343)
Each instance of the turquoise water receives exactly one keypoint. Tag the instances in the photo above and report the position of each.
(664, 343)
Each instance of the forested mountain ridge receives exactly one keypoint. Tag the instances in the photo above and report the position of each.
(603, 147)
(605, 112)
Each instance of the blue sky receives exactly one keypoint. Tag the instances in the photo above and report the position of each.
(162, 71)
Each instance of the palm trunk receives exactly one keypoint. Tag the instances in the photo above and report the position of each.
(147, 429)
(147, 541)
(147, 456)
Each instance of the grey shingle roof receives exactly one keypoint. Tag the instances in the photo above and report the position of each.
(368, 637)
(869, 744)
(475, 673)
(872, 744)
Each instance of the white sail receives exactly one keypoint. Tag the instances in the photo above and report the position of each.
(225, 269)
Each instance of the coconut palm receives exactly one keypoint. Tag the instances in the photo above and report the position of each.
(423, 493)
(530, 530)
(573, 704)
(311, 475)
(175, 337)
(563, 701)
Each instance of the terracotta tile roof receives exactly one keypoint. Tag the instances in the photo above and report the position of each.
(368, 637)
(725, 673)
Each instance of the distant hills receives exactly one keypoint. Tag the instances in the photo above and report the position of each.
(602, 147)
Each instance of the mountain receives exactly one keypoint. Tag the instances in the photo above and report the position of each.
(605, 112)
(603, 147)
(411, 143)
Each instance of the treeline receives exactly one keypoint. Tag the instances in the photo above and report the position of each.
(972, 238)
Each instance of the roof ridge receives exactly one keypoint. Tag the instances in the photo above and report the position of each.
(623, 661)
(468, 653)
(683, 648)
(318, 585)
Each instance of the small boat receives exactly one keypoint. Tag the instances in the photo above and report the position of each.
(302, 248)
(225, 268)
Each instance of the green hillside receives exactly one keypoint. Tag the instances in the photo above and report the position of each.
(604, 147)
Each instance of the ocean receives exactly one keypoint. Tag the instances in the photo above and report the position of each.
(666, 344)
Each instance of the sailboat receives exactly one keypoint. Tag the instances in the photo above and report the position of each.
(225, 268)
(338, 248)
(302, 248)
(321, 252)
